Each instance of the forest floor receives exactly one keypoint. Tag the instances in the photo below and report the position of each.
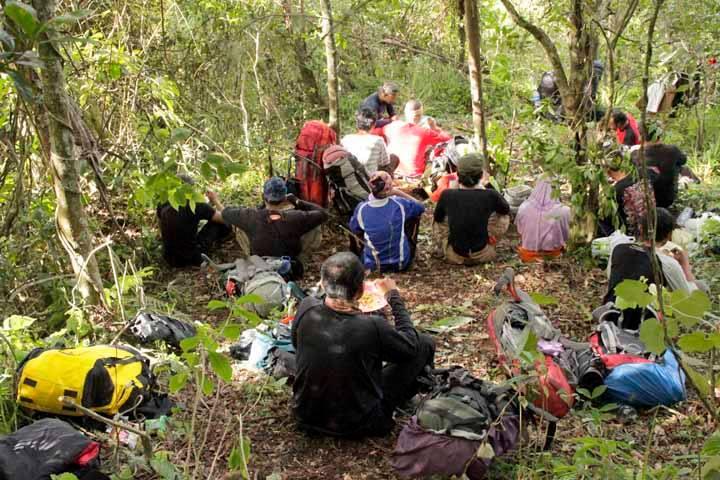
(432, 290)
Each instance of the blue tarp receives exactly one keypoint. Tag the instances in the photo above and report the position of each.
(647, 384)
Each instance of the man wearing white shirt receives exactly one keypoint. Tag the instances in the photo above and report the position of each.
(369, 149)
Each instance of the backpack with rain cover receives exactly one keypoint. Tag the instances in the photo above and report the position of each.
(256, 276)
(315, 136)
(635, 376)
(48, 447)
(347, 178)
(508, 327)
(107, 379)
(461, 415)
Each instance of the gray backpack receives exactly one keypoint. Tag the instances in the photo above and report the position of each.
(257, 276)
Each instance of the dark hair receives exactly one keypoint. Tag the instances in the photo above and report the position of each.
(377, 185)
(468, 180)
(619, 117)
(342, 276)
(186, 179)
(365, 119)
(664, 226)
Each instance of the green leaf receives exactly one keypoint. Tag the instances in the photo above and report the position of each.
(24, 16)
(599, 391)
(541, 299)
(652, 335)
(698, 379)
(206, 171)
(207, 386)
(163, 467)
(189, 344)
(64, 476)
(216, 305)
(178, 382)
(448, 324)
(180, 135)
(231, 331)
(70, 17)
(251, 298)
(672, 327)
(711, 469)
(696, 342)
(220, 365)
(237, 454)
(215, 159)
(529, 341)
(17, 322)
(689, 308)
(712, 445)
(633, 293)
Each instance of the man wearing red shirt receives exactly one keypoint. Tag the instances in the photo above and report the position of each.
(410, 142)
(626, 128)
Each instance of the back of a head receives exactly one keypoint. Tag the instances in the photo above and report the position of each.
(389, 88)
(470, 169)
(619, 117)
(411, 109)
(365, 119)
(185, 178)
(342, 276)
(275, 191)
(664, 226)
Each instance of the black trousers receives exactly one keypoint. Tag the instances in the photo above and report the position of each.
(208, 238)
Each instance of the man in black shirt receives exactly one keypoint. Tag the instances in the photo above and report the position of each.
(476, 216)
(382, 102)
(286, 227)
(342, 388)
(182, 243)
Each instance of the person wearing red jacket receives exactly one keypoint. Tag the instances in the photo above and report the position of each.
(626, 128)
(410, 143)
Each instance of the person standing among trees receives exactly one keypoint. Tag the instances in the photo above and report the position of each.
(182, 243)
(469, 220)
(382, 103)
(626, 128)
(342, 388)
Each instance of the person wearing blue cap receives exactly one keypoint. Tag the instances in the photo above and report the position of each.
(284, 227)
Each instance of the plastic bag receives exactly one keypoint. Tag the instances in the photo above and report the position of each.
(647, 384)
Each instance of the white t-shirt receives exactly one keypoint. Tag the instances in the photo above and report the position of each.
(673, 272)
(370, 150)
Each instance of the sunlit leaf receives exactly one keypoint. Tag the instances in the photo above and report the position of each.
(207, 386)
(696, 342)
(652, 335)
(448, 324)
(632, 293)
(541, 299)
(712, 445)
(216, 305)
(231, 331)
(220, 365)
(189, 344)
(178, 382)
(689, 308)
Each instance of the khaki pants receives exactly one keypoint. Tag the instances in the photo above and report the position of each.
(497, 227)
(310, 241)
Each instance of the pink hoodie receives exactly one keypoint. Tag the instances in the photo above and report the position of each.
(543, 223)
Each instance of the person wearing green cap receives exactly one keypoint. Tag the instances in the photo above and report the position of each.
(469, 220)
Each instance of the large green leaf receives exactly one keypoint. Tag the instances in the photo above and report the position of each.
(541, 299)
(178, 382)
(651, 333)
(712, 445)
(633, 293)
(698, 379)
(220, 365)
(24, 16)
(448, 324)
(689, 308)
(696, 342)
(17, 322)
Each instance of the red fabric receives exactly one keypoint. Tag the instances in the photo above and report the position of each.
(532, 256)
(379, 132)
(632, 123)
(90, 453)
(315, 136)
(442, 185)
(612, 360)
(410, 142)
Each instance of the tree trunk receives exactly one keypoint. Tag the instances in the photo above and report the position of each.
(475, 64)
(72, 226)
(331, 56)
(296, 31)
(462, 37)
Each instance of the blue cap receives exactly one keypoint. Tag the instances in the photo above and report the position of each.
(275, 190)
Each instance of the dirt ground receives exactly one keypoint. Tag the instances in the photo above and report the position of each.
(432, 290)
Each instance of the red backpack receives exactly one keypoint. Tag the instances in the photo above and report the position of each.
(315, 136)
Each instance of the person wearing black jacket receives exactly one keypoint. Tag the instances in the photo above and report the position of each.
(342, 387)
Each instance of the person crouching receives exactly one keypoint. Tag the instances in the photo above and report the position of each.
(342, 388)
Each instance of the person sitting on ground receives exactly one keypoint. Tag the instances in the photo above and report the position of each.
(476, 216)
(388, 223)
(369, 149)
(410, 142)
(667, 160)
(342, 387)
(382, 103)
(415, 113)
(285, 227)
(632, 261)
(626, 128)
(543, 224)
(183, 245)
